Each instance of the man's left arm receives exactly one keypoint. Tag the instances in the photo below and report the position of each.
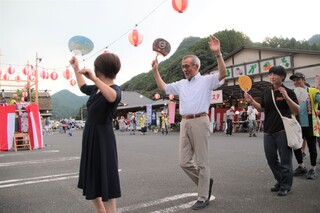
(214, 45)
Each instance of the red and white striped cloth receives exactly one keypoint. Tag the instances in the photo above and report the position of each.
(7, 126)
(35, 126)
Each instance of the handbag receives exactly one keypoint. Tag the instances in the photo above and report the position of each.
(292, 129)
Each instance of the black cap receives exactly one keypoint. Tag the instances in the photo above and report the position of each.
(278, 70)
(297, 75)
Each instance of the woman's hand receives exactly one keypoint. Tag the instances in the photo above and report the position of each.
(74, 63)
(87, 73)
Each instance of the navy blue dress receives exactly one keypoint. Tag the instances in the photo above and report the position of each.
(99, 175)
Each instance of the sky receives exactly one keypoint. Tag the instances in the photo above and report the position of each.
(44, 27)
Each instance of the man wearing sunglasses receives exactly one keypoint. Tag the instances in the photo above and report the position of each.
(194, 101)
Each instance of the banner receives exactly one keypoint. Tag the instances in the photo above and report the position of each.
(7, 126)
(149, 113)
(172, 112)
(35, 126)
(216, 97)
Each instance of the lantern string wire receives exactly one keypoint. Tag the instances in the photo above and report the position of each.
(136, 25)
(111, 43)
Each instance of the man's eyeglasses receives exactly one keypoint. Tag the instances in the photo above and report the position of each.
(186, 66)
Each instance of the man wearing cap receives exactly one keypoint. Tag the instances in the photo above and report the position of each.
(309, 124)
(277, 151)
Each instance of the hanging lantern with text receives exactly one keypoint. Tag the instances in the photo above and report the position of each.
(54, 75)
(180, 5)
(11, 70)
(72, 82)
(135, 37)
(67, 74)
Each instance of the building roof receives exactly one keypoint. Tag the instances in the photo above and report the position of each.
(131, 99)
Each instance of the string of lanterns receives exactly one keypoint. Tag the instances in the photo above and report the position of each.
(135, 38)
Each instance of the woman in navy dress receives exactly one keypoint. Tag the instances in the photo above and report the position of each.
(99, 177)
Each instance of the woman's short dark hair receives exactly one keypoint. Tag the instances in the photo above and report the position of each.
(107, 64)
(278, 70)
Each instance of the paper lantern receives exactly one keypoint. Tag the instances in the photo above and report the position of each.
(171, 97)
(180, 5)
(24, 94)
(17, 78)
(43, 74)
(54, 75)
(26, 86)
(11, 70)
(73, 82)
(6, 76)
(67, 74)
(31, 77)
(26, 70)
(47, 75)
(156, 96)
(22, 99)
(135, 37)
(0, 72)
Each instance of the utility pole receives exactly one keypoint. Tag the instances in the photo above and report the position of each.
(37, 80)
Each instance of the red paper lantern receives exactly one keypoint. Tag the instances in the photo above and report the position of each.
(156, 96)
(67, 74)
(26, 70)
(43, 74)
(0, 72)
(47, 75)
(31, 77)
(180, 5)
(11, 70)
(26, 86)
(6, 76)
(17, 78)
(171, 97)
(54, 75)
(73, 82)
(135, 37)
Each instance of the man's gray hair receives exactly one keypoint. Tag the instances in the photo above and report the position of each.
(195, 59)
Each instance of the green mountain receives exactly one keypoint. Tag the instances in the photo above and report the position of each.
(66, 104)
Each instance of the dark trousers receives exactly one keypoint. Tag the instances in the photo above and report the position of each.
(229, 127)
(275, 143)
(307, 134)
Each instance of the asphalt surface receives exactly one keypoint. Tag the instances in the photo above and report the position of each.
(45, 180)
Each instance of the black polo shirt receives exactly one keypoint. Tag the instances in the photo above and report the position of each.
(272, 121)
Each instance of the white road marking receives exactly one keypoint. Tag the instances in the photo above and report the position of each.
(42, 179)
(37, 161)
(34, 180)
(52, 151)
(161, 201)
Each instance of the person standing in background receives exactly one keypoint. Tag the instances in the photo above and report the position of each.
(230, 116)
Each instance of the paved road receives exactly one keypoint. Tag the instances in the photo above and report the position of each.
(45, 180)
